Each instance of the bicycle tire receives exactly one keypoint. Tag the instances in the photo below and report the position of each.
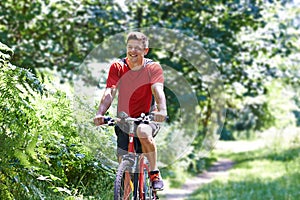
(149, 194)
(123, 189)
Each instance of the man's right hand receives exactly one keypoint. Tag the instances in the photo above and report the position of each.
(99, 120)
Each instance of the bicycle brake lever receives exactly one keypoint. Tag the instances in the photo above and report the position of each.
(151, 117)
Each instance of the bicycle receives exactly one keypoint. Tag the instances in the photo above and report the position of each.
(133, 174)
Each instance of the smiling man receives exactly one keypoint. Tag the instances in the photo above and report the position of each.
(137, 79)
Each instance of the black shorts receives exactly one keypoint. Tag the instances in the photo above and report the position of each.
(123, 139)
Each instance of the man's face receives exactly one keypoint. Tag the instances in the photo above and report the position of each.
(136, 51)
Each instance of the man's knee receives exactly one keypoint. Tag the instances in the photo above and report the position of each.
(144, 131)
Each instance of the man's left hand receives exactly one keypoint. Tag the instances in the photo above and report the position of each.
(160, 116)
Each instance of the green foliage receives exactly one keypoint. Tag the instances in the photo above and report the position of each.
(4, 192)
(218, 25)
(18, 88)
(267, 173)
(250, 41)
(66, 161)
(42, 153)
(65, 31)
(296, 111)
(281, 101)
(244, 39)
(56, 34)
(272, 58)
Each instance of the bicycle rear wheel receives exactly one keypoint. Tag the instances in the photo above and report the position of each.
(123, 188)
(147, 187)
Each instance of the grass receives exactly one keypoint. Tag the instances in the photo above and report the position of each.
(271, 173)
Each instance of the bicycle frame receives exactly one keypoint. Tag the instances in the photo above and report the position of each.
(141, 177)
(138, 167)
(140, 159)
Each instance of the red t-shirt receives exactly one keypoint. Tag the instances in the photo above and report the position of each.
(134, 87)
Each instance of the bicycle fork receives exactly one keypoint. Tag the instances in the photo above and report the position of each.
(139, 168)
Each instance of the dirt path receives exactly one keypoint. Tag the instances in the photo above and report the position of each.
(219, 168)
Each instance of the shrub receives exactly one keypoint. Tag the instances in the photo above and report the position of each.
(43, 156)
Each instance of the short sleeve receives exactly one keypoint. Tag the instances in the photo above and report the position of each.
(156, 74)
(113, 76)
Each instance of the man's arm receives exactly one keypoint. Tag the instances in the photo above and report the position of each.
(160, 99)
(105, 103)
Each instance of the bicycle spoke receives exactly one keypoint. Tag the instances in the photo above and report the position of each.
(128, 186)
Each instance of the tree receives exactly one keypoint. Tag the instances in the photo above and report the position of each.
(223, 28)
(56, 34)
(59, 34)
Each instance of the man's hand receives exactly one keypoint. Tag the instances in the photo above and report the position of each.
(160, 116)
(99, 120)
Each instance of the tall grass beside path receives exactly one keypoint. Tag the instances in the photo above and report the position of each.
(270, 172)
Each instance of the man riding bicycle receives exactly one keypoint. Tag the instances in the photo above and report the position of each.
(137, 79)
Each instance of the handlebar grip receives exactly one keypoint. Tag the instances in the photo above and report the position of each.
(148, 118)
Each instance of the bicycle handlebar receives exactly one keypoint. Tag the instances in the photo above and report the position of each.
(143, 118)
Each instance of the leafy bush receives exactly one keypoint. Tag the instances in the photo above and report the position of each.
(17, 116)
(43, 156)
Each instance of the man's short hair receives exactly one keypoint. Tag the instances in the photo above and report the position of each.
(138, 36)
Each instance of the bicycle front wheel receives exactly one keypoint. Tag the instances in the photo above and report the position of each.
(123, 188)
(149, 194)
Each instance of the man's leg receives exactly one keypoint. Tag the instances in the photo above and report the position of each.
(122, 142)
(144, 133)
